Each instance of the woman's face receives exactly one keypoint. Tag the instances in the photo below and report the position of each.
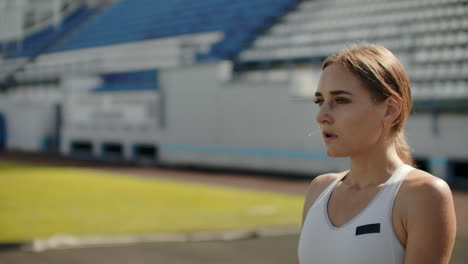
(350, 120)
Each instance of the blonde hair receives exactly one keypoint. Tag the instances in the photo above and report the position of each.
(384, 76)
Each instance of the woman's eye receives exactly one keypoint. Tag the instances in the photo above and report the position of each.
(342, 100)
(318, 101)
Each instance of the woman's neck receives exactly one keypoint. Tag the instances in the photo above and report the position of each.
(374, 167)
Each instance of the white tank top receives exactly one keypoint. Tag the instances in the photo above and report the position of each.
(368, 238)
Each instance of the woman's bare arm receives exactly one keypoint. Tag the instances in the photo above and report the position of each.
(430, 220)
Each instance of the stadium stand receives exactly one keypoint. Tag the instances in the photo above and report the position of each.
(39, 38)
(39, 42)
(157, 50)
(169, 34)
(430, 37)
(129, 21)
(398, 25)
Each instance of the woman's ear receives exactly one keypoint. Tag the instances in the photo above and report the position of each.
(393, 110)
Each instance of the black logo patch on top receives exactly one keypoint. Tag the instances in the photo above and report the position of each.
(368, 229)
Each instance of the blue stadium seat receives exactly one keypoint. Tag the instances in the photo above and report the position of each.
(129, 81)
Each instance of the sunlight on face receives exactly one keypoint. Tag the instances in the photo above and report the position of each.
(350, 119)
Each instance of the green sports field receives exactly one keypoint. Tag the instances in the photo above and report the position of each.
(37, 202)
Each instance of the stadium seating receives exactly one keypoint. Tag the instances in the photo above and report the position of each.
(320, 26)
(136, 20)
(235, 22)
(429, 37)
(44, 39)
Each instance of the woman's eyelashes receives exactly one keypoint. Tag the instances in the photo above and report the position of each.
(318, 101)
(338, 100)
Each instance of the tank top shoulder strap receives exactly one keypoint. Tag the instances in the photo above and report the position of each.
(327, 190)
(397, 178)
(388, 195)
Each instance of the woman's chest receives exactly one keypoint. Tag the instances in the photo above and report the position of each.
(344, 204)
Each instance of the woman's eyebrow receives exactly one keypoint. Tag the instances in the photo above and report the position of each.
(337, 92)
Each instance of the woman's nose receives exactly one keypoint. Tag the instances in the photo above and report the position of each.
(323, 116)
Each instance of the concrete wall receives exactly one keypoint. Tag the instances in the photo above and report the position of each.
(128, 117)
(28, 123)
(259, 125)
(443, 137)
(11, 19)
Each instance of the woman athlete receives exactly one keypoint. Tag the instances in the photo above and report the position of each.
(382, 210)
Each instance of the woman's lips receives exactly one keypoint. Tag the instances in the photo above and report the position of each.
(329, 136)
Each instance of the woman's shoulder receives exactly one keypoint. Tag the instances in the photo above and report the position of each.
(422, 183)
(319, 183)
(317, 186)
(422, 191)
(426, 210)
